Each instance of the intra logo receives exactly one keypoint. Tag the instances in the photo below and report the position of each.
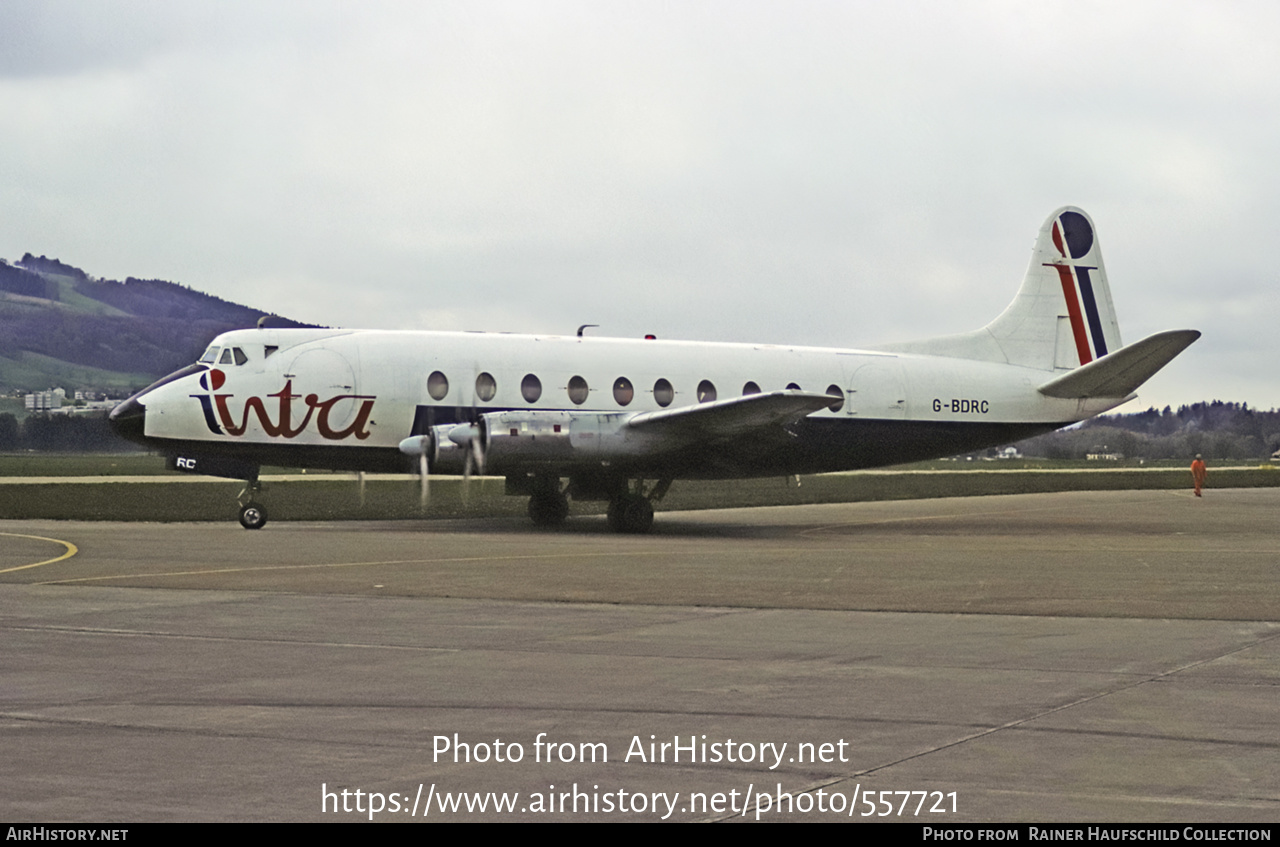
(219, 419)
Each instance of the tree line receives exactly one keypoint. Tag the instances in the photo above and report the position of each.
(1217, 430)
(60, 434)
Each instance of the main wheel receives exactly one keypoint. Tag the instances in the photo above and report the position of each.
(630, 513)
(617, 506)
(549, 508)
(253, 516)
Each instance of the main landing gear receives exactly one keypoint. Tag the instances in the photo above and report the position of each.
(630, 504)
(253, 515)
(549, 508)
(632, 511)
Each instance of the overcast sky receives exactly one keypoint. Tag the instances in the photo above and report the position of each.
(838, 173)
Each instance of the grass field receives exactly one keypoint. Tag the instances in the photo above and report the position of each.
(146, 464)
(337, 496)
(34, 371)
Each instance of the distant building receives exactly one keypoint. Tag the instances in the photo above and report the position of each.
(42, 401)
(53, 402)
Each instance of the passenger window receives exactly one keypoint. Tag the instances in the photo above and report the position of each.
(578, 390)
(834, 391)
(437, 385)
(706, 391)
(226, 357)
(210, 356)
(749, 389)
(623, 391)
(486, 386)
(663, 393)
(239, 355)
(530, 388)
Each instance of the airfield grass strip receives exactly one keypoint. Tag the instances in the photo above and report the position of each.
(339, 498)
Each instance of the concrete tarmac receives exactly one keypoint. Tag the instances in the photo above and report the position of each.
(1109, 656)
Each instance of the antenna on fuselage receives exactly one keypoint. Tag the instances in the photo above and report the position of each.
(585, 326)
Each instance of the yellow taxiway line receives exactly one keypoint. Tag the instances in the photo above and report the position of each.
(71, 551)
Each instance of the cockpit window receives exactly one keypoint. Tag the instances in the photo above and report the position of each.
(226, 357)
(210, 356)
(239, 355)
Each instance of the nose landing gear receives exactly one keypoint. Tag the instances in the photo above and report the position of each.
(253, 515)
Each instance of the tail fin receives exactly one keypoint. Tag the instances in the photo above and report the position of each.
(1062, 316)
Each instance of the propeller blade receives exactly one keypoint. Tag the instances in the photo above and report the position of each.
(424, 493)
(477, 447)
(466, 479)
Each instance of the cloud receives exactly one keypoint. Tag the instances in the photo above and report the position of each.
(829, 173)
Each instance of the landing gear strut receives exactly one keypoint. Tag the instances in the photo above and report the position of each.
(253, 515)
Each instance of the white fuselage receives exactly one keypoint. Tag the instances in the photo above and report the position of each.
(366, 389)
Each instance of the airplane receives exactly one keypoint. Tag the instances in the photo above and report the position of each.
(619, 420)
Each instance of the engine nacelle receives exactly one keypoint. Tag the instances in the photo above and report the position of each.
(513, 440)
(445, 454)
(524, 438)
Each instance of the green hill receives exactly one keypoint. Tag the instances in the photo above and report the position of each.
(59, 326)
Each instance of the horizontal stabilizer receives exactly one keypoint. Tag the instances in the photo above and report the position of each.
(723, 418)
(1119, 374)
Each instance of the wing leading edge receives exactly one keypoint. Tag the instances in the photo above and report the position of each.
(736, 416)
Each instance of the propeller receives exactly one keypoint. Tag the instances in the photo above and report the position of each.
(450, 447)
(422, 446)
(470, 438)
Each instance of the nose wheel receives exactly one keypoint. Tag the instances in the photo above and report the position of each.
(253, 515)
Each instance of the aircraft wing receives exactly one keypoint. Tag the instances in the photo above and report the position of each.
(1119, 374)
(738, 415)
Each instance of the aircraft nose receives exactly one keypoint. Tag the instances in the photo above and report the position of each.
(129, 420)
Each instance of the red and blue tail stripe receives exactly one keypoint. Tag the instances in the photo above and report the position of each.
(1077, 288)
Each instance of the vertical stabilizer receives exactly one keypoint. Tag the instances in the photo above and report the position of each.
(1062, 316)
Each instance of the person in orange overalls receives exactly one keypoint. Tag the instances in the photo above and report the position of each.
(1198, 473)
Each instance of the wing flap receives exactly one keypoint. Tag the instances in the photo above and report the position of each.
(724, 418)
(1119, 373)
